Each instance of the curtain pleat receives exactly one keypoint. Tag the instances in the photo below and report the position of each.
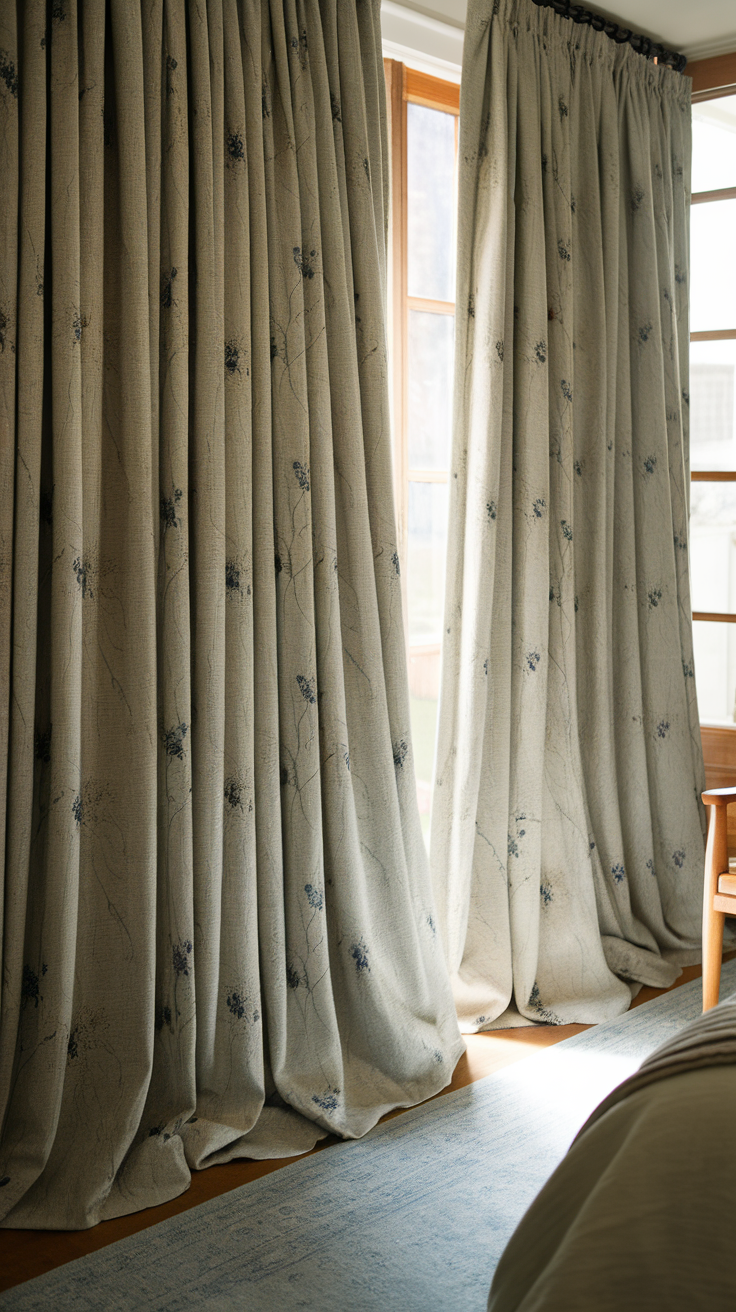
(219, 934)
(567, 834)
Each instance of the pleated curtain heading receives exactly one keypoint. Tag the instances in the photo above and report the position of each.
(219, 937)
(567, 832)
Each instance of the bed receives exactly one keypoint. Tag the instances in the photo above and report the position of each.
(641, 1213)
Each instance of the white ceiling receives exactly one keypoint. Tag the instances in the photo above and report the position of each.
(698, 28)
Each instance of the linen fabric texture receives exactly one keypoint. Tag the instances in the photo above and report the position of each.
(567, 831)
(219, 936)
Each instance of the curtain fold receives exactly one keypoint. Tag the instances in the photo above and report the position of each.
(567, 832)
(219, 937)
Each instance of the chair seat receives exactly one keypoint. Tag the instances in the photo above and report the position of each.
(727, 883)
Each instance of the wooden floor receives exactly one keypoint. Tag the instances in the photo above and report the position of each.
(28, 1253)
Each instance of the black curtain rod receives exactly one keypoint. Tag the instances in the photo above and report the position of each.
(643, 45)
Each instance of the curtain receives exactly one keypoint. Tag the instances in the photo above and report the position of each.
(567, 834)
(219, 936)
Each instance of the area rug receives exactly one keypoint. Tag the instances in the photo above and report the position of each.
(414, 1217)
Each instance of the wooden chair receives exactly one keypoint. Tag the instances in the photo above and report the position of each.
(719, 893)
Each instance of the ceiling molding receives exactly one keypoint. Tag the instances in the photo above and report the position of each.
(724, 45)
(424, 43)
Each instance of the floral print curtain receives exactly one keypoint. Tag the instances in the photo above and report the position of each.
(219, 938)
(567, 836)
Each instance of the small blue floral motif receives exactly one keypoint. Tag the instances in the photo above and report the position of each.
(577, 466)
(499, 351)
(238, 1005)
(438, 1056)
(654, 597)
(359, 953)
(491, 509)
(563, 250)
(663, 728)
(235, 147)
(512, 845)
(304, 262)
(302, 475)
(650, 867)
(540, 352)
(82, 569)
(480, 1020)
(688, 670)
(546, 894)
(180, 953)
(485, 667)
(686, 398)
(233, 351)
(328, 1101)
(566, 389)
(636, 198)
(307, 689)
(619, 873)
(174, 740)
(591, 844)
(78, 808)
(650, 464)
(432, 926)
(680, 542)
(292, 978)
(314, 897)
(168, 509)
(532, 660)
(232, 576)
(400, 753)
(538, 507)
(395, 562)
(163, 1016)
(29, 988)
(233, 791)
(566, 530)
(679, 858)
(536, 1004)
(645, 332)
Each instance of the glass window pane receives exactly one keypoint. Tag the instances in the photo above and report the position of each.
(713, 405)
(714, 144)
(713, 265)
(431, 203)
(431, 347)
(713, 546)
(426, 560)
(714, 647)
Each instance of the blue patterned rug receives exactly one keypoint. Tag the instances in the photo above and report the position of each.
(414, 1217)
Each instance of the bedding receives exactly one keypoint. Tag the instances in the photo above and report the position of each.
(640, 1215)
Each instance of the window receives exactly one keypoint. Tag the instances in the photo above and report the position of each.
(713, 403)
(424, 133)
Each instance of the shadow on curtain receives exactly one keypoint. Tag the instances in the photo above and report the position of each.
(567, 839)
(219, 938)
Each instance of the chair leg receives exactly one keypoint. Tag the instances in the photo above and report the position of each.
(713, 922)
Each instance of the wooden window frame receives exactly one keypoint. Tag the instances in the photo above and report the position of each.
(713, 78)
(406, 86)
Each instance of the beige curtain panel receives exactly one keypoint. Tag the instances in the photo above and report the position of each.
(567, 837)
(219, 937)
